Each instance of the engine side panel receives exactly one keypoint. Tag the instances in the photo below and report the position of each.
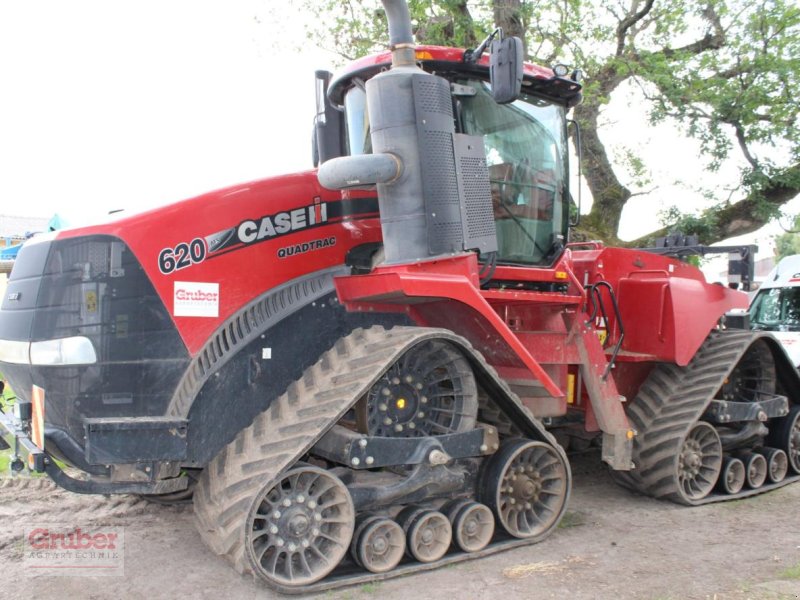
(209, 256)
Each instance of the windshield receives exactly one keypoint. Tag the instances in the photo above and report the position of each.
(776, 309)
(526, 146)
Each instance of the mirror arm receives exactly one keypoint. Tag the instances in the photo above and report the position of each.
(473, 56)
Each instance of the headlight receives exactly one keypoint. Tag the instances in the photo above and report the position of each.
(14, 352)
(66, 351)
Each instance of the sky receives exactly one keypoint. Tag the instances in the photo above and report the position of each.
(108, 105)
(120, 104)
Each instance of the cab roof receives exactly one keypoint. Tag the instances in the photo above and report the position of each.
(785, 274)
(536, 79)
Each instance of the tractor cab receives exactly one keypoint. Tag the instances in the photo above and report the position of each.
(524, 140)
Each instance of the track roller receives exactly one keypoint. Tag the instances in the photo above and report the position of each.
(378, 544)
(755, 466)
(428, 533)
(731, 479)
(472, 524)
(525, 485)
(785, 434)
(699, 461)
(777, 464)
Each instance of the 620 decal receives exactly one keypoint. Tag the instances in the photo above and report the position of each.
(181, 256)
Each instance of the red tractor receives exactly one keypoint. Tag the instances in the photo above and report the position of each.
(375, 367)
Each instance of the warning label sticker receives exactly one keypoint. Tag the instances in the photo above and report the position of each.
(195, 299)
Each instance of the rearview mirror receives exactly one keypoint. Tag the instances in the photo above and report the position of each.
(505, 69)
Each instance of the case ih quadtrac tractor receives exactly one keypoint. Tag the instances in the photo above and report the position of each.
(374, 368)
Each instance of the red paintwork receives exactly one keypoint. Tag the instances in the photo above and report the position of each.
(243, 274)
(667, 307)
(418, 284)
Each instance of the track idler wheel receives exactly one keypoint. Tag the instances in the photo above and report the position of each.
(300, 528)
(755, 466)
(378, 544)
(731, 479)
(430, 390)
(525, 484)
(472, 523)
(785, 434)
(777, 464)
(428, 533)
(699, 461)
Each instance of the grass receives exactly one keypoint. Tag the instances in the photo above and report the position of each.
(571, 519)
(791, 572)
(8, 395)
(6, 401)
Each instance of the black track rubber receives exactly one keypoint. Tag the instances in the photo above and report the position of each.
(288, 429)
(668, 404)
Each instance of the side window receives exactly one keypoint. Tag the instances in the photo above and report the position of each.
(767, 308)
(358, 140)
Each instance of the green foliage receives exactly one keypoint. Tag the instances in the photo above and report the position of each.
(357, 27)
(638, 171)
(788, 243)
(700, 224)
(7, 399)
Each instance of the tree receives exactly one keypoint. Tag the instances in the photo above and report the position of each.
(726, 72)
(788, 243)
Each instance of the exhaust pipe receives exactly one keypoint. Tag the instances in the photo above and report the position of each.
(417, 159)
(401, 40)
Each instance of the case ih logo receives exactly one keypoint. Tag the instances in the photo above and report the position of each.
(269, 227)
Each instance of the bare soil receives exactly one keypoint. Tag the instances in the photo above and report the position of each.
(611, 544)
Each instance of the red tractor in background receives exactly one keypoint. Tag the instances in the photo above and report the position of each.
(375, 368)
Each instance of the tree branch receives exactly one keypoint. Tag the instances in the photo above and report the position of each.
(746, 216)
(629, 21)
(743, 145)
(507, 14)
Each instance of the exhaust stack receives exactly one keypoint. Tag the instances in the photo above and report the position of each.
(433, 184)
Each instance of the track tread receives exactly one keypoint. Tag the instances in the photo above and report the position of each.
(668, 404)
(278, 437)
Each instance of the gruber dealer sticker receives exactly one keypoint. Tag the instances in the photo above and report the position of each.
(195, 299)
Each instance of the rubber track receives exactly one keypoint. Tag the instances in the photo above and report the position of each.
(668, 404)
(288, 429)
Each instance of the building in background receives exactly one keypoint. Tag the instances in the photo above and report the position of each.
(15, 230)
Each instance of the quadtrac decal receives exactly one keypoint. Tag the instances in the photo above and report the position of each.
(296, 249)
(195, 299)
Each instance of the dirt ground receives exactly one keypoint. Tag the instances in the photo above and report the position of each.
(611, 544)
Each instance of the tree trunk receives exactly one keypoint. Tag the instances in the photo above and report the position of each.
(508, 16)
(609, 195)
